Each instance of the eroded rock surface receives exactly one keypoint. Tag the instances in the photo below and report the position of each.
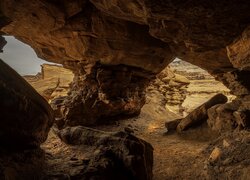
(144, 34)
(173, 87)
(108, 155)
(26, 116)
(105, 92)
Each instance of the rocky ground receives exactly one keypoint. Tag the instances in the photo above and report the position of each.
(194, 154)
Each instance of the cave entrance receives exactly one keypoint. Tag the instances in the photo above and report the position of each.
(191, 86)
(49, 79)
(21, 57)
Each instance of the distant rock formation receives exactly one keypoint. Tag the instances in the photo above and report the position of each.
(53, 81)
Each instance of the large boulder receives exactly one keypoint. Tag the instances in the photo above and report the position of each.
(197, 116)
(26, 117)
(115, 155)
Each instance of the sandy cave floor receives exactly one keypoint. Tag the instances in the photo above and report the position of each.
(176, 156)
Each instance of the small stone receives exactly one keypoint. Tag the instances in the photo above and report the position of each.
(73, 159)
(215, 155)
(227, 161)
(128, 130)
(225, 143)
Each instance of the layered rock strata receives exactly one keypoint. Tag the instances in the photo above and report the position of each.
(173, 87)
(103, 93)
(144, 34)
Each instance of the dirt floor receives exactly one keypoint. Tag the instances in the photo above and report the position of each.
(176, 156)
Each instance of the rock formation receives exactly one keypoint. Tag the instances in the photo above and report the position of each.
(26, 119)
(26, 116)
(173, 86)
(116, 155)
(53, 81)
(198, 116)
(115, 47)
(105, 92)
(143, 34)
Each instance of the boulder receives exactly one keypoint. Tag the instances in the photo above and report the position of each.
(116, 155)
(199, 115)
(221, 117)
(26, 117)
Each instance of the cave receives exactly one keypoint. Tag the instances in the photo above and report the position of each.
(116, 53)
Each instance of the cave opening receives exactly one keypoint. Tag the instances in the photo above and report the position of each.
(69, 126)
(21, 57)
(191, 87)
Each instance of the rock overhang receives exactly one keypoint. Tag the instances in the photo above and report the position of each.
(140, 33)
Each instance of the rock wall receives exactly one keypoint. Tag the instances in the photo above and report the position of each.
(105, 92)
(143, 34)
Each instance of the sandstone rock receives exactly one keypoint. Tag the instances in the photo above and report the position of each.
(53, 82)
(226, 144)
(181, 79)
(199, 115)
(238, 51)
(115, 156)
(242, 118)
(106, 92)
(171, 125)
(25, 116)
(144, 34)
(221, 118)
(230, 116)
(233, 160)
(215, 155)
(236, 81)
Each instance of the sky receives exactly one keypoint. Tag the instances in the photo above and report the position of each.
(21, 57)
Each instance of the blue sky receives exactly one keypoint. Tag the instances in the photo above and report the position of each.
(21, 57)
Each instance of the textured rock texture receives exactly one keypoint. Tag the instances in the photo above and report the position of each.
(116, 155)
(230, 116)
(26, 116)
(145, 34)
(233, 160)
(173, 86)
(105, 92)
